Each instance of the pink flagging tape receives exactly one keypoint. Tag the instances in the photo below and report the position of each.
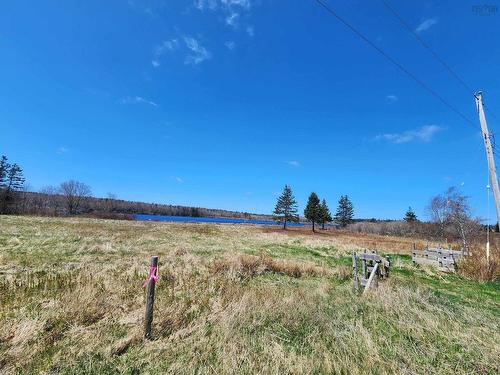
(152, 276)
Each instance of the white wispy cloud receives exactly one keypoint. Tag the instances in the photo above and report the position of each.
(214, 4)
(250, 31)
(423, 134)
(197, 53)
(293, 163)
(232, 19)
(206, 4)
(392, 98)
(140, 6)
(241, 3)
(230, 10)
(137, 100)
(170, 44)
(426, 25)
(165, 46)
(178, 180)
(230, 44)
(62, 150)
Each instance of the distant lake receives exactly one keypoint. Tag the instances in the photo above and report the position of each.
(217, 220)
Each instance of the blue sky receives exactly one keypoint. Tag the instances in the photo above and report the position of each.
(219, 103)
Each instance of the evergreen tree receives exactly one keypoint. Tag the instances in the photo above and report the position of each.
(4, 170)
(312, 211)
(11, 182)
(15, 178)
(345, 211)
(286, 207)
(326, 216)
(410, 216)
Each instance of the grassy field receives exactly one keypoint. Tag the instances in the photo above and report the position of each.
(230, 299)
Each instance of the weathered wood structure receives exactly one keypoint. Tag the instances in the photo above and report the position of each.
(373, 268)
(443, 259)
(150, 296)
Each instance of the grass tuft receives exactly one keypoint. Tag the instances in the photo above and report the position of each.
(230, 299)
(248, 266)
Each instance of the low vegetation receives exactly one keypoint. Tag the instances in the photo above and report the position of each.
(230, 299)
(71, 198)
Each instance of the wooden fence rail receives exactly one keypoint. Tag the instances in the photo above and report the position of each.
(373, 268)
(444, 259)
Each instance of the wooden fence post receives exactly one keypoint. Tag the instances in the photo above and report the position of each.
(150, 297)
(363, 266)
(355, 271)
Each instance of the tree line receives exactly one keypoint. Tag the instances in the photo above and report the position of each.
(450, 213)
(316, 211)
(450, 217)
(75, 198)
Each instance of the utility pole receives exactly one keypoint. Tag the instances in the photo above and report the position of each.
(491, 160)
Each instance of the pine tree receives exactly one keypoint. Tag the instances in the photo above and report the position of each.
(15, 178)
(11, 181)
(410, 216)
(312, 211)
(326, 216)
(286, 207)
(4, 170)
(345, 211)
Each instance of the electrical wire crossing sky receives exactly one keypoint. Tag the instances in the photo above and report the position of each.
(220, 104)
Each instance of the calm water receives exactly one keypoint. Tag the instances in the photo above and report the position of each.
(219, 220)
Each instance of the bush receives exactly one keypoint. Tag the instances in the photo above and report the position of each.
(476, 267)
(421, 229)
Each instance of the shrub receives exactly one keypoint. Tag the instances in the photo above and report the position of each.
(248, 266)
(476, 267)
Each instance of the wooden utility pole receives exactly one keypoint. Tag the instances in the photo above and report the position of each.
(491, 160)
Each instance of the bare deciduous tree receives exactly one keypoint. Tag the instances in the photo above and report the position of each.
(50, 201)
(451, 210)
(437, 212)
(74, 193)
(110, 202)
(459, 216)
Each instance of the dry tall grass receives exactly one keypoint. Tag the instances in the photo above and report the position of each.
(230, 299)
(478, 267)
(247, 266)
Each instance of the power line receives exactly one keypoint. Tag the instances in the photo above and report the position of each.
(423, 43)
(396, 63)
(433, 53)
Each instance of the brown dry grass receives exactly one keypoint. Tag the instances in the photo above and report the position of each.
(402, 245)
(478, 267)
(248, 266)
(230, 299)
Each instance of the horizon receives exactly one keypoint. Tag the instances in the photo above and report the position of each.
(219, 104)
(300, 214)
